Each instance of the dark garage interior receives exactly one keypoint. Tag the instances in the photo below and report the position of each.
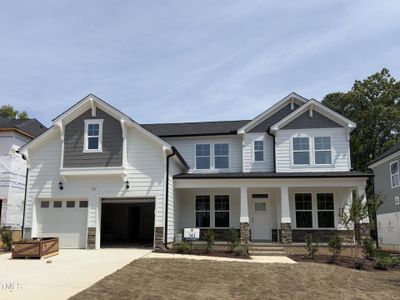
(125, 224)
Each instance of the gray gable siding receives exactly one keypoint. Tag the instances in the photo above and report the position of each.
(384, 188)
(304, 121)
(111, 156)
(275, 118)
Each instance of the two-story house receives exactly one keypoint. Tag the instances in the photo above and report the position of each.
(13, 135)
(386, 169)
(97, 177)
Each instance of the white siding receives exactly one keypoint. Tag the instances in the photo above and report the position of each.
(186, 147)
(249, 165)
(145, 172)
(339, 143)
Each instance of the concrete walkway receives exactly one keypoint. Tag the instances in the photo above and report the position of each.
(61, 276)
(253, 259)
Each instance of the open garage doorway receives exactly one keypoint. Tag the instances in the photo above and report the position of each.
(127, 222)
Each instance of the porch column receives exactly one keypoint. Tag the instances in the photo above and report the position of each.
(364, 224)
(286, 222)
(244, 217)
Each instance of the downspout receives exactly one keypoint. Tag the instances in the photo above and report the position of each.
(26, 190)
(273, 147)
(166, 197)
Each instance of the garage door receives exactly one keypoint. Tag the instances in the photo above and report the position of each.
(66, 220)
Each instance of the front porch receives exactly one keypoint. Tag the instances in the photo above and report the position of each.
(264, 210)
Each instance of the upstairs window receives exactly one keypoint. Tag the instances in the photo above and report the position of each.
(93, 135)
(322, 150)
(221, 156)
(303, 204)
(394, 174)
(203, 211)
(203, 156)
(258, 150)
(301, 151)
(221, 206)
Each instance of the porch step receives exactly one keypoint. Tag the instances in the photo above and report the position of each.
(266, 253)
(265, 248)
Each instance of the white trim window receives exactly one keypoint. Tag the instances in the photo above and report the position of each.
(322, 150)
(202, 211)
(93, 136)
(394, 174)
(258, 150)
(304, 212)
(301, 151)
(203, 154)
(325, 210)
(221, 156)
(221, 214)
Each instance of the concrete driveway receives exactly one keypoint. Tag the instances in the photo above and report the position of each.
(61, 276)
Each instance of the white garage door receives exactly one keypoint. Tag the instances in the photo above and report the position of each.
(66, 220)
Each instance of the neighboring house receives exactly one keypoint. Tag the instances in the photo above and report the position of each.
(97, 177)
(13, 135)
(387, 184)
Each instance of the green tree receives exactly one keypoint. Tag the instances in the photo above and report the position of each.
(8, 112)
(374, 104)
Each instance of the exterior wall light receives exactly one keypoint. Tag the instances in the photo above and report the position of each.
(127, 184)
(60, 186)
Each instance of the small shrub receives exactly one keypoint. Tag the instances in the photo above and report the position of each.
(311, 248)
(6, 238)
(242, 250)
(182, 247)
(209, 237)
(335, 247)
(368, 248)
(233, 239)
(383, 263)
(359, 264)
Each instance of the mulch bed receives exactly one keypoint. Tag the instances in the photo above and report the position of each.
(218, 253)
(341, 261)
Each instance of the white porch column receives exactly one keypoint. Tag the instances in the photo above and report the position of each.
(286, 222)
(244, 216)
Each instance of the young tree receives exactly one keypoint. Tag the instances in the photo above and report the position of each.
(374, 104)
(8, 112)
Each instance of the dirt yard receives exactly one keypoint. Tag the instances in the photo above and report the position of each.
(188, 279)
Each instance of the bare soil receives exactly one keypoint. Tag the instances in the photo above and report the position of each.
(191, 279)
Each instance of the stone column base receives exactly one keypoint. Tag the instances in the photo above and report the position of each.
(364, 231)
(244, 233)
(91, 238)
(159, 238)
(286, 233)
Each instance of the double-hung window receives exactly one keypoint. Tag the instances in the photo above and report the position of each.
(203, 211)
(395, 174)
(221, 156)
(326, 212)
(301, 151)
(203, 156)
(93, 136)
(303, 204)
(322, 150)
(221, 207)
(258, 150)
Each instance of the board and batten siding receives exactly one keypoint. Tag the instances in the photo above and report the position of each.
(145, 169)
(339, 146)
(383, 187)
(111, 154)
(249, 165)
(187, 148)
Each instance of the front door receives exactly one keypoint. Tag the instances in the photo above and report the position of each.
(261, 218)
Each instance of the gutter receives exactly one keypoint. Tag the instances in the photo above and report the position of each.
(273, 148)
(174, 151)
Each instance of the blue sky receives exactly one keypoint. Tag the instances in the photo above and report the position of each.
(170, 61)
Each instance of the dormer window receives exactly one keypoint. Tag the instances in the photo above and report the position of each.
(93, 136)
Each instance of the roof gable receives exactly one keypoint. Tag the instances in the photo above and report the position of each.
(394, 150)
(317, 120)
(290, 99)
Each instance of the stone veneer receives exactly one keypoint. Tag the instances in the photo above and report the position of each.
(244, 233)
(159, 238)
(286, 233)
(91, 238)
(364, 231)
(322, 236)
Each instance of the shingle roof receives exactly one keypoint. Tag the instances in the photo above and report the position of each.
(30, 126)
(195, 128)
(272, 175)
(387, 153)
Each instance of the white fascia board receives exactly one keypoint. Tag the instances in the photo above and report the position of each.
(41, 138)
(270, 111)
(385, 159)
(322, 109)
